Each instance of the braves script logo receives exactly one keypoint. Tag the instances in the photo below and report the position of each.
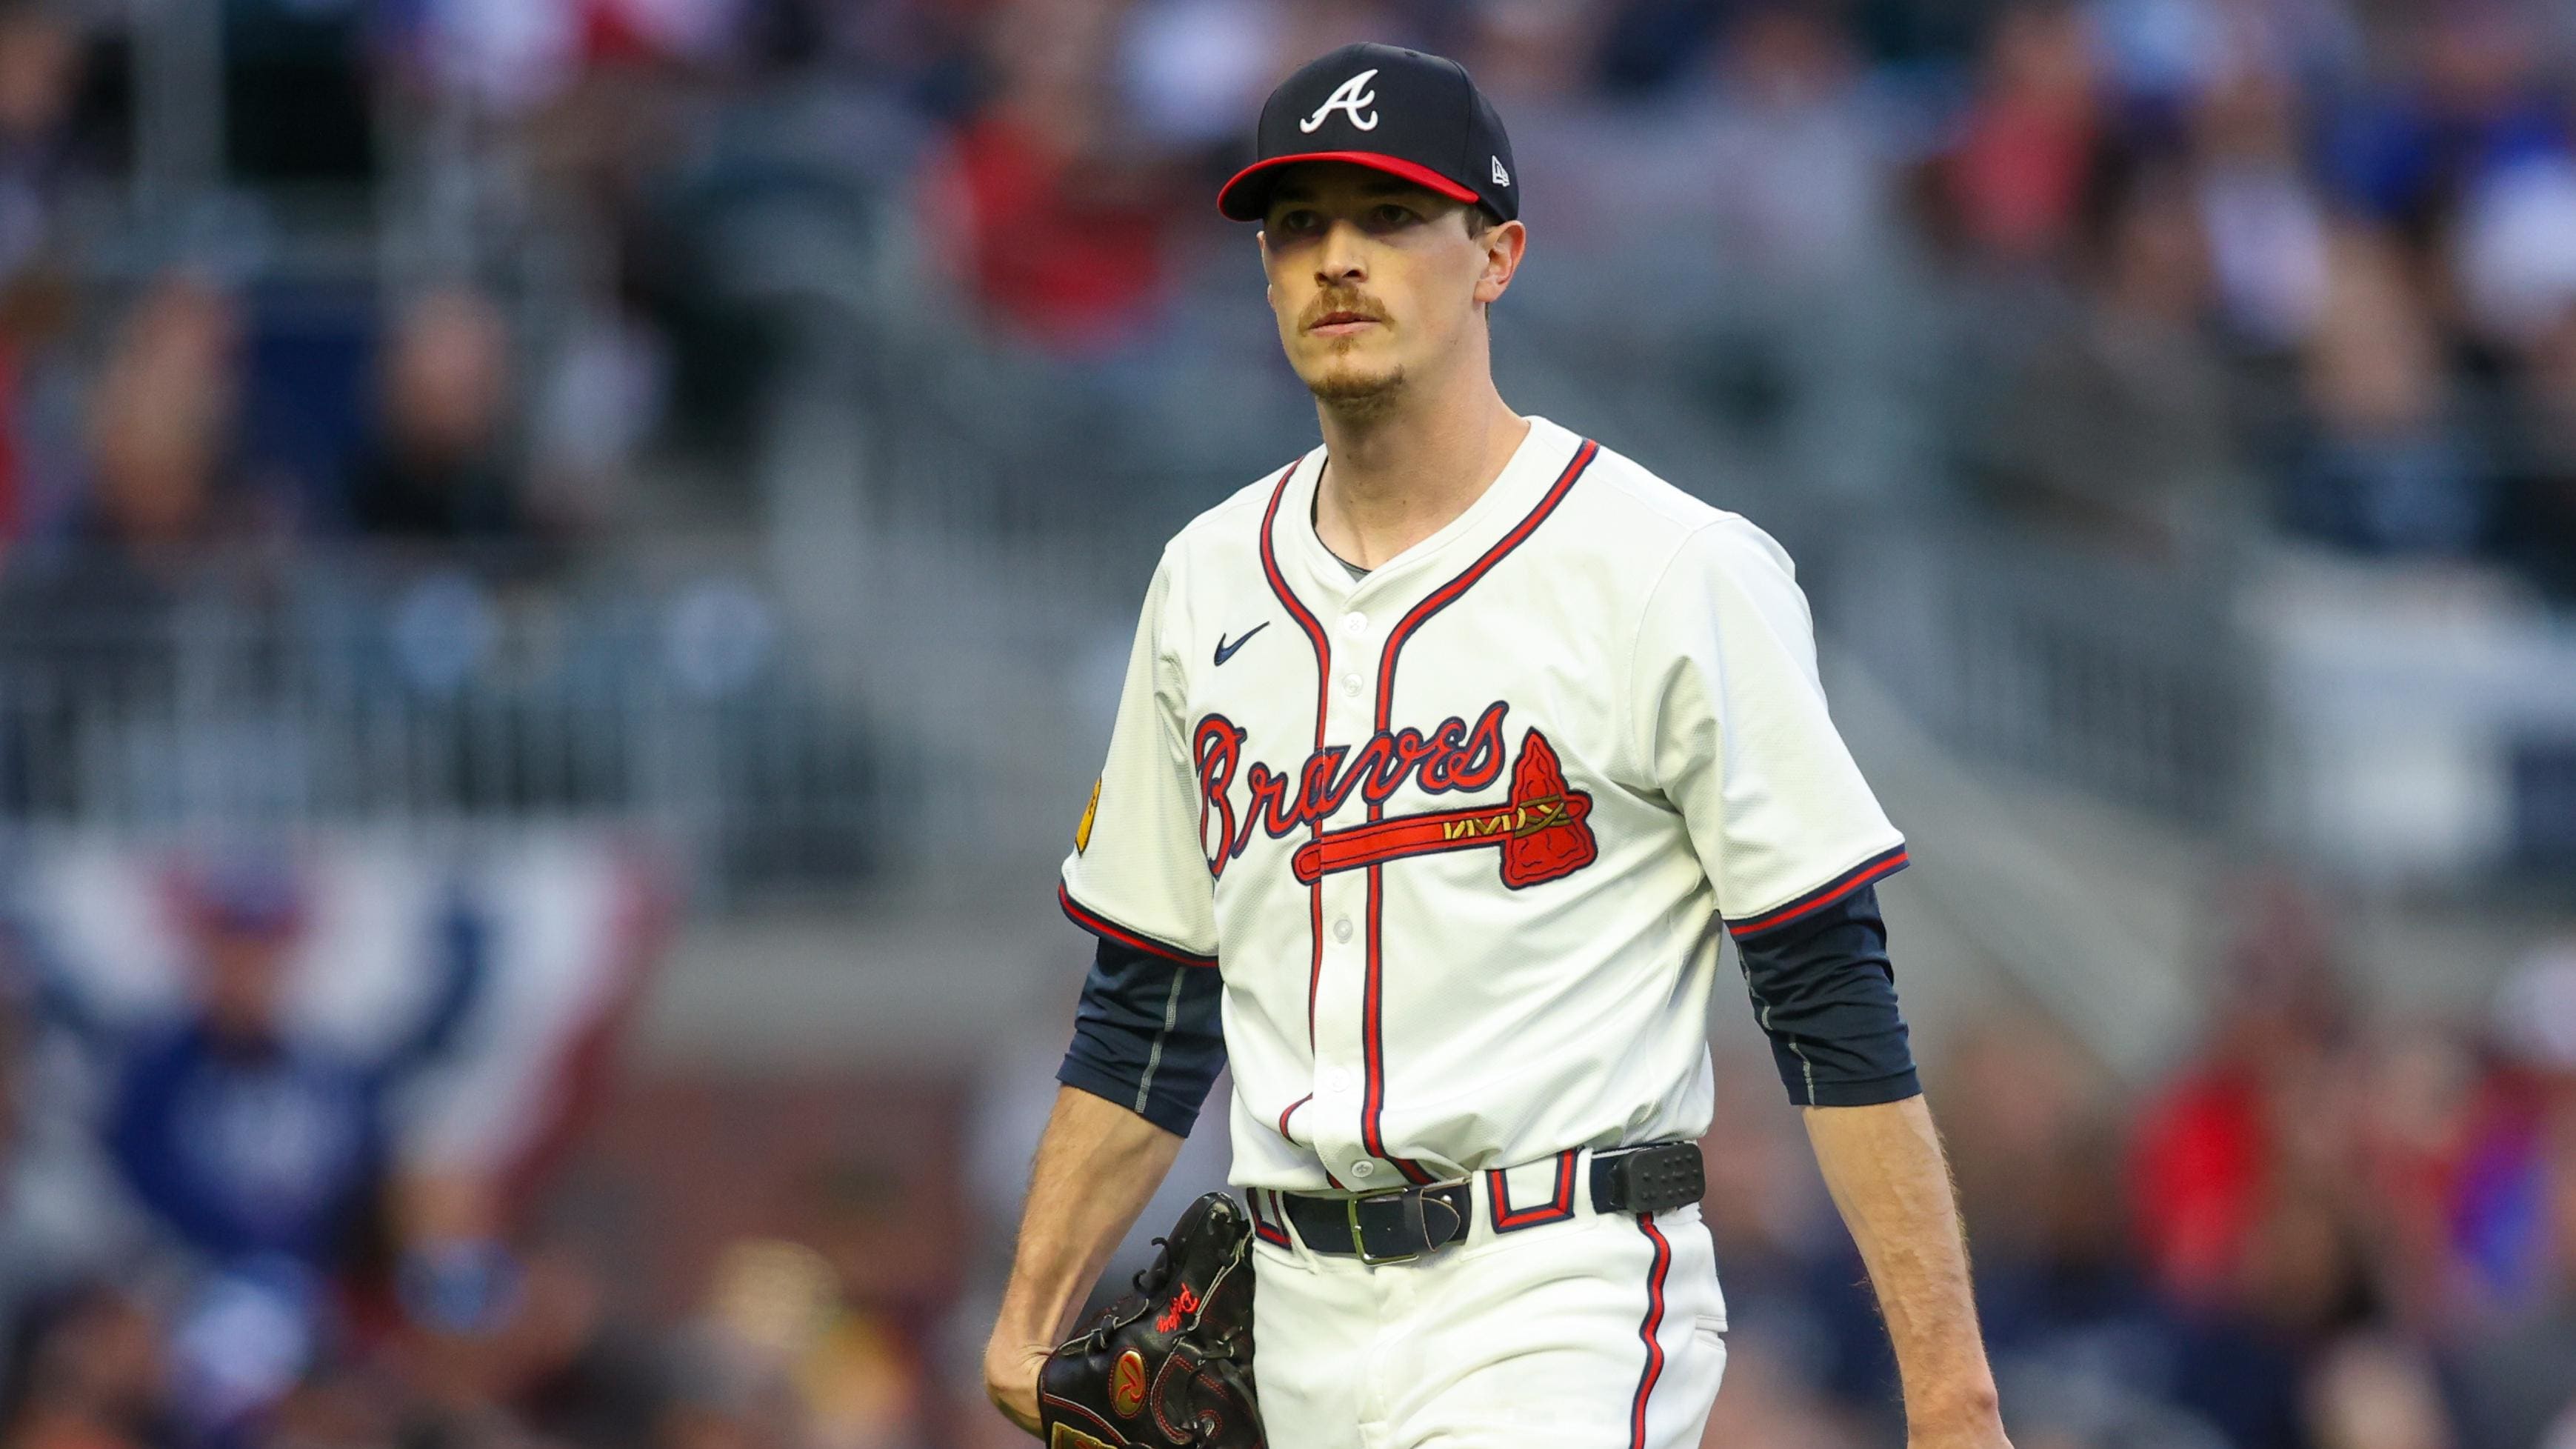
(1539, 827)
(1347, 98)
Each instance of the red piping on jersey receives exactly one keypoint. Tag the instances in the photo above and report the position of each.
(1654, 1322)
(1262, 1227)
(1877, 867)
(1100, 925)
(1372, 1044)
(1305, 620)
(1290, 1111)
(1509, 1219)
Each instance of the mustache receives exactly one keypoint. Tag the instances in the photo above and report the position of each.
(1327, 303)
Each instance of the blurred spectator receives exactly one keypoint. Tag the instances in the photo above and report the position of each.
(161, 426)
(160, 482)
(2387, 467)
(1056, 225)
(40, 67)
(601, 402)
(1801, 174)
(263, 1154)
(2516, 261)
(242, 1136)
(2376, 1393)
(2085, 1342)
(1196, 68)
(2014, 186)
(87, 1371)
(2473, 97)
(2267, 226)
(2500, 1202)
(2167, 56)
(2208, 1148)
(2518, 1387)
(438, 469)
(2116, 424)
(2516, 251)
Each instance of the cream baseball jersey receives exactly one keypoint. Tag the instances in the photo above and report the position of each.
(1461, 834)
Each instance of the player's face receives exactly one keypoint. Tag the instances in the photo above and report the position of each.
(1374, 280)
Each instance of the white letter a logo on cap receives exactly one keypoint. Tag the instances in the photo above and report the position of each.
(1347, 98)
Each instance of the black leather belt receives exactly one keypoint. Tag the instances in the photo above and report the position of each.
(1406, 1223)
(1382, 1227)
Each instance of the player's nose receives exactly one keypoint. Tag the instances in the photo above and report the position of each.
(1343, 257)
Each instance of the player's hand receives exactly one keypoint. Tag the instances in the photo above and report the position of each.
(1011, 1379)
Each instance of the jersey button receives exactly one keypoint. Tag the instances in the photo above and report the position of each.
(1363, 1168)
(1355, 625)
(1351, 685)
(1337, 1081)
(1342, 929)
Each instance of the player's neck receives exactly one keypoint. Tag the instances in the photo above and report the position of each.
(1390, 482)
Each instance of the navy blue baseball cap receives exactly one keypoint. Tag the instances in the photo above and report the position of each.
(1390, 109)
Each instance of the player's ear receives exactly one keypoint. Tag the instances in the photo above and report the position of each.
(1504, 246)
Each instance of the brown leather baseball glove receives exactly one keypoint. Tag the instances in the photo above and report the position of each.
(1169, 1365)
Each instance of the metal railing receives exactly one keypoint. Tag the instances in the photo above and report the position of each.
(2125, 678)
(423, 693)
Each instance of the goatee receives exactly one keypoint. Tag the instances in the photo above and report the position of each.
(1360, 399)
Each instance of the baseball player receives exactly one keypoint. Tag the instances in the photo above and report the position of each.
(1446, 752)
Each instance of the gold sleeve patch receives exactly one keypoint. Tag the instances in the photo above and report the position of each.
(1090, 812)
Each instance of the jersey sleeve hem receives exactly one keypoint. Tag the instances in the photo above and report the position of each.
(1877, 868)
(1118, 1092)
(1873, 1093)
(1109, 930)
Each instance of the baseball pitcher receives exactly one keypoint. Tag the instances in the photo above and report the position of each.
(1445, 754)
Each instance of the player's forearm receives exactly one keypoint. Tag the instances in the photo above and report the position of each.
(1096, 1167)
(1884, 1167)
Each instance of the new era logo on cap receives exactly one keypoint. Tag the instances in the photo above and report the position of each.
(1416, 116)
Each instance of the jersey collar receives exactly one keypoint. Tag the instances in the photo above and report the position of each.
(1533, 469)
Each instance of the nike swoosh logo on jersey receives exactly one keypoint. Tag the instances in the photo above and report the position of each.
(1225, 651)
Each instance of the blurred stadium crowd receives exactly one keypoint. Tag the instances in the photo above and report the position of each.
(2326, 1227)
(477, 301)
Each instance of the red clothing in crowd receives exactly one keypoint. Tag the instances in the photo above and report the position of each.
(1068, 253)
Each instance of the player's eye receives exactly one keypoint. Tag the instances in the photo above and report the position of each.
(1298, 221)
(1387, 216)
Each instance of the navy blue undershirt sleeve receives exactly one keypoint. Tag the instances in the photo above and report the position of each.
(1825, 994)
(1147, 1036)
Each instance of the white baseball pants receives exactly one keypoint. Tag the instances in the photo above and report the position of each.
(1577, 1332)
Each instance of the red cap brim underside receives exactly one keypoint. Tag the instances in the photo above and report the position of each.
(1233, 192)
